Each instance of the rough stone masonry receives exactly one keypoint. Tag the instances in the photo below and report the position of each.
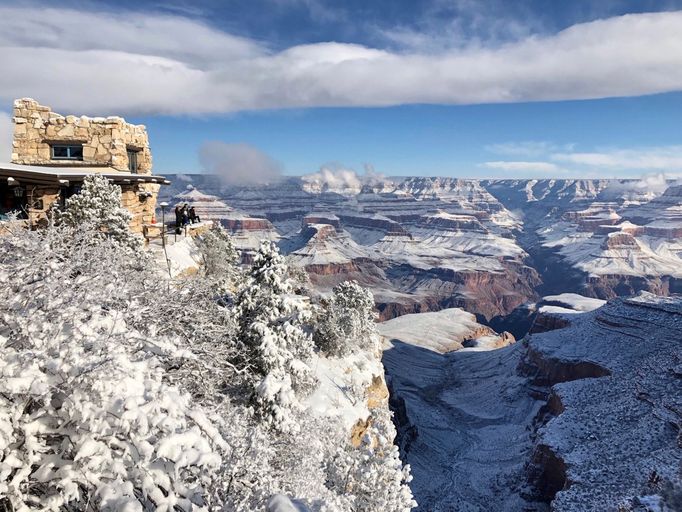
(106, 143)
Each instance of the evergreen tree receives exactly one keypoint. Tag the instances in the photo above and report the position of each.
(276, 346)
(347, 320)
(99, 203)
(372, 475)
(220, 258)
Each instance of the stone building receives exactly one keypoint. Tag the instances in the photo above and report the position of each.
(52, 153)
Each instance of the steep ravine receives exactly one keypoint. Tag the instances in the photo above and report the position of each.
(583, 418)
(464, 423)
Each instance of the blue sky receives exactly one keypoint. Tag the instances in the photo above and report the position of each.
(535, 88)
(426, 139)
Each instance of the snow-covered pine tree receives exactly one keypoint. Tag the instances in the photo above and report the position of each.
(347, 320)
(276, 346)
(99, 203)
(372, 475)
(220, 257)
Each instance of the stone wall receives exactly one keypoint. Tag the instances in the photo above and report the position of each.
(39, 199)
(133, 197)
(142, 210)
(105, 140)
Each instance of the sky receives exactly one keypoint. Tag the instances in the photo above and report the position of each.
(468, 88)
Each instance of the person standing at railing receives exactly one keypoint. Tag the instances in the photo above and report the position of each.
(193, 217)
(178, 219)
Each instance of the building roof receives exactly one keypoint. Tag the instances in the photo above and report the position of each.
(48, 175)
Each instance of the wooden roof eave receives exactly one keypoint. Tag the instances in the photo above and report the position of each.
(59, 179)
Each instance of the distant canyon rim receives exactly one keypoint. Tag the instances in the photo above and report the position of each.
(491, 247)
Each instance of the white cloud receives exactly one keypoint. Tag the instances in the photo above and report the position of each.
(665, 158)
(104, 62)
(655, 184)
(6, 132)
(528, 148)
(533, 167)
(658, 163)
(239, 164)
(335, 177)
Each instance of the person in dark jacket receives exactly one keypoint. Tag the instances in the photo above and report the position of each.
(193, 217)
(185, 215)
(178, 218)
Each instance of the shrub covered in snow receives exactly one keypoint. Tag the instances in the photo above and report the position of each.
(122, 389)
(86, 415)
(99, 203)
(372, 474)
(347, 320)
(220, 258)
(276, 347)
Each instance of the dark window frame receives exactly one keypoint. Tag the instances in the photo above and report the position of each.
(72, 152)
(133, 163)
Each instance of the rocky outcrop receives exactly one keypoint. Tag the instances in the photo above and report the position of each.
(373, 222)
(246, 224)
(546, 321)
(588, 413)
(617, 408)
(611, 286)
(453, 222)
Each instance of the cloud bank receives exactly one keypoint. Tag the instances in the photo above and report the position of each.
(158, 63)
(337, 178)
(553, 160)
(239, 164)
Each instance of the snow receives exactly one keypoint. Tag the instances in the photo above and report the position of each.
(574, 302)
(341, 381)
(326, 246)
(281, 503)
(470, 412)
(183, 256)
(441, 331)
(469, 417)
(616, 429)
(649, 257)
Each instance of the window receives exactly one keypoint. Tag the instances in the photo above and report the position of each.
(67, 152)
(132, 160)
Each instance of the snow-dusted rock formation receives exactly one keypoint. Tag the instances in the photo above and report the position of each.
(489, 246)
(423, 244)
(585, 417)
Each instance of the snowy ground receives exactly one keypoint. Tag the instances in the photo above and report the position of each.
(180, 257)
(618, 430)
(342, 380)
(468, 419)
(469, 408)
(441, 331)
(471, 413)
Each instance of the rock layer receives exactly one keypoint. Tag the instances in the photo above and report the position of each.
(583, 418)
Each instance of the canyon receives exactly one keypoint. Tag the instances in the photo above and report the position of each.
(531, 328)
(582, 415)
(488, 246)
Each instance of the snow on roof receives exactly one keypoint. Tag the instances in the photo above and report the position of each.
(49, 173)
